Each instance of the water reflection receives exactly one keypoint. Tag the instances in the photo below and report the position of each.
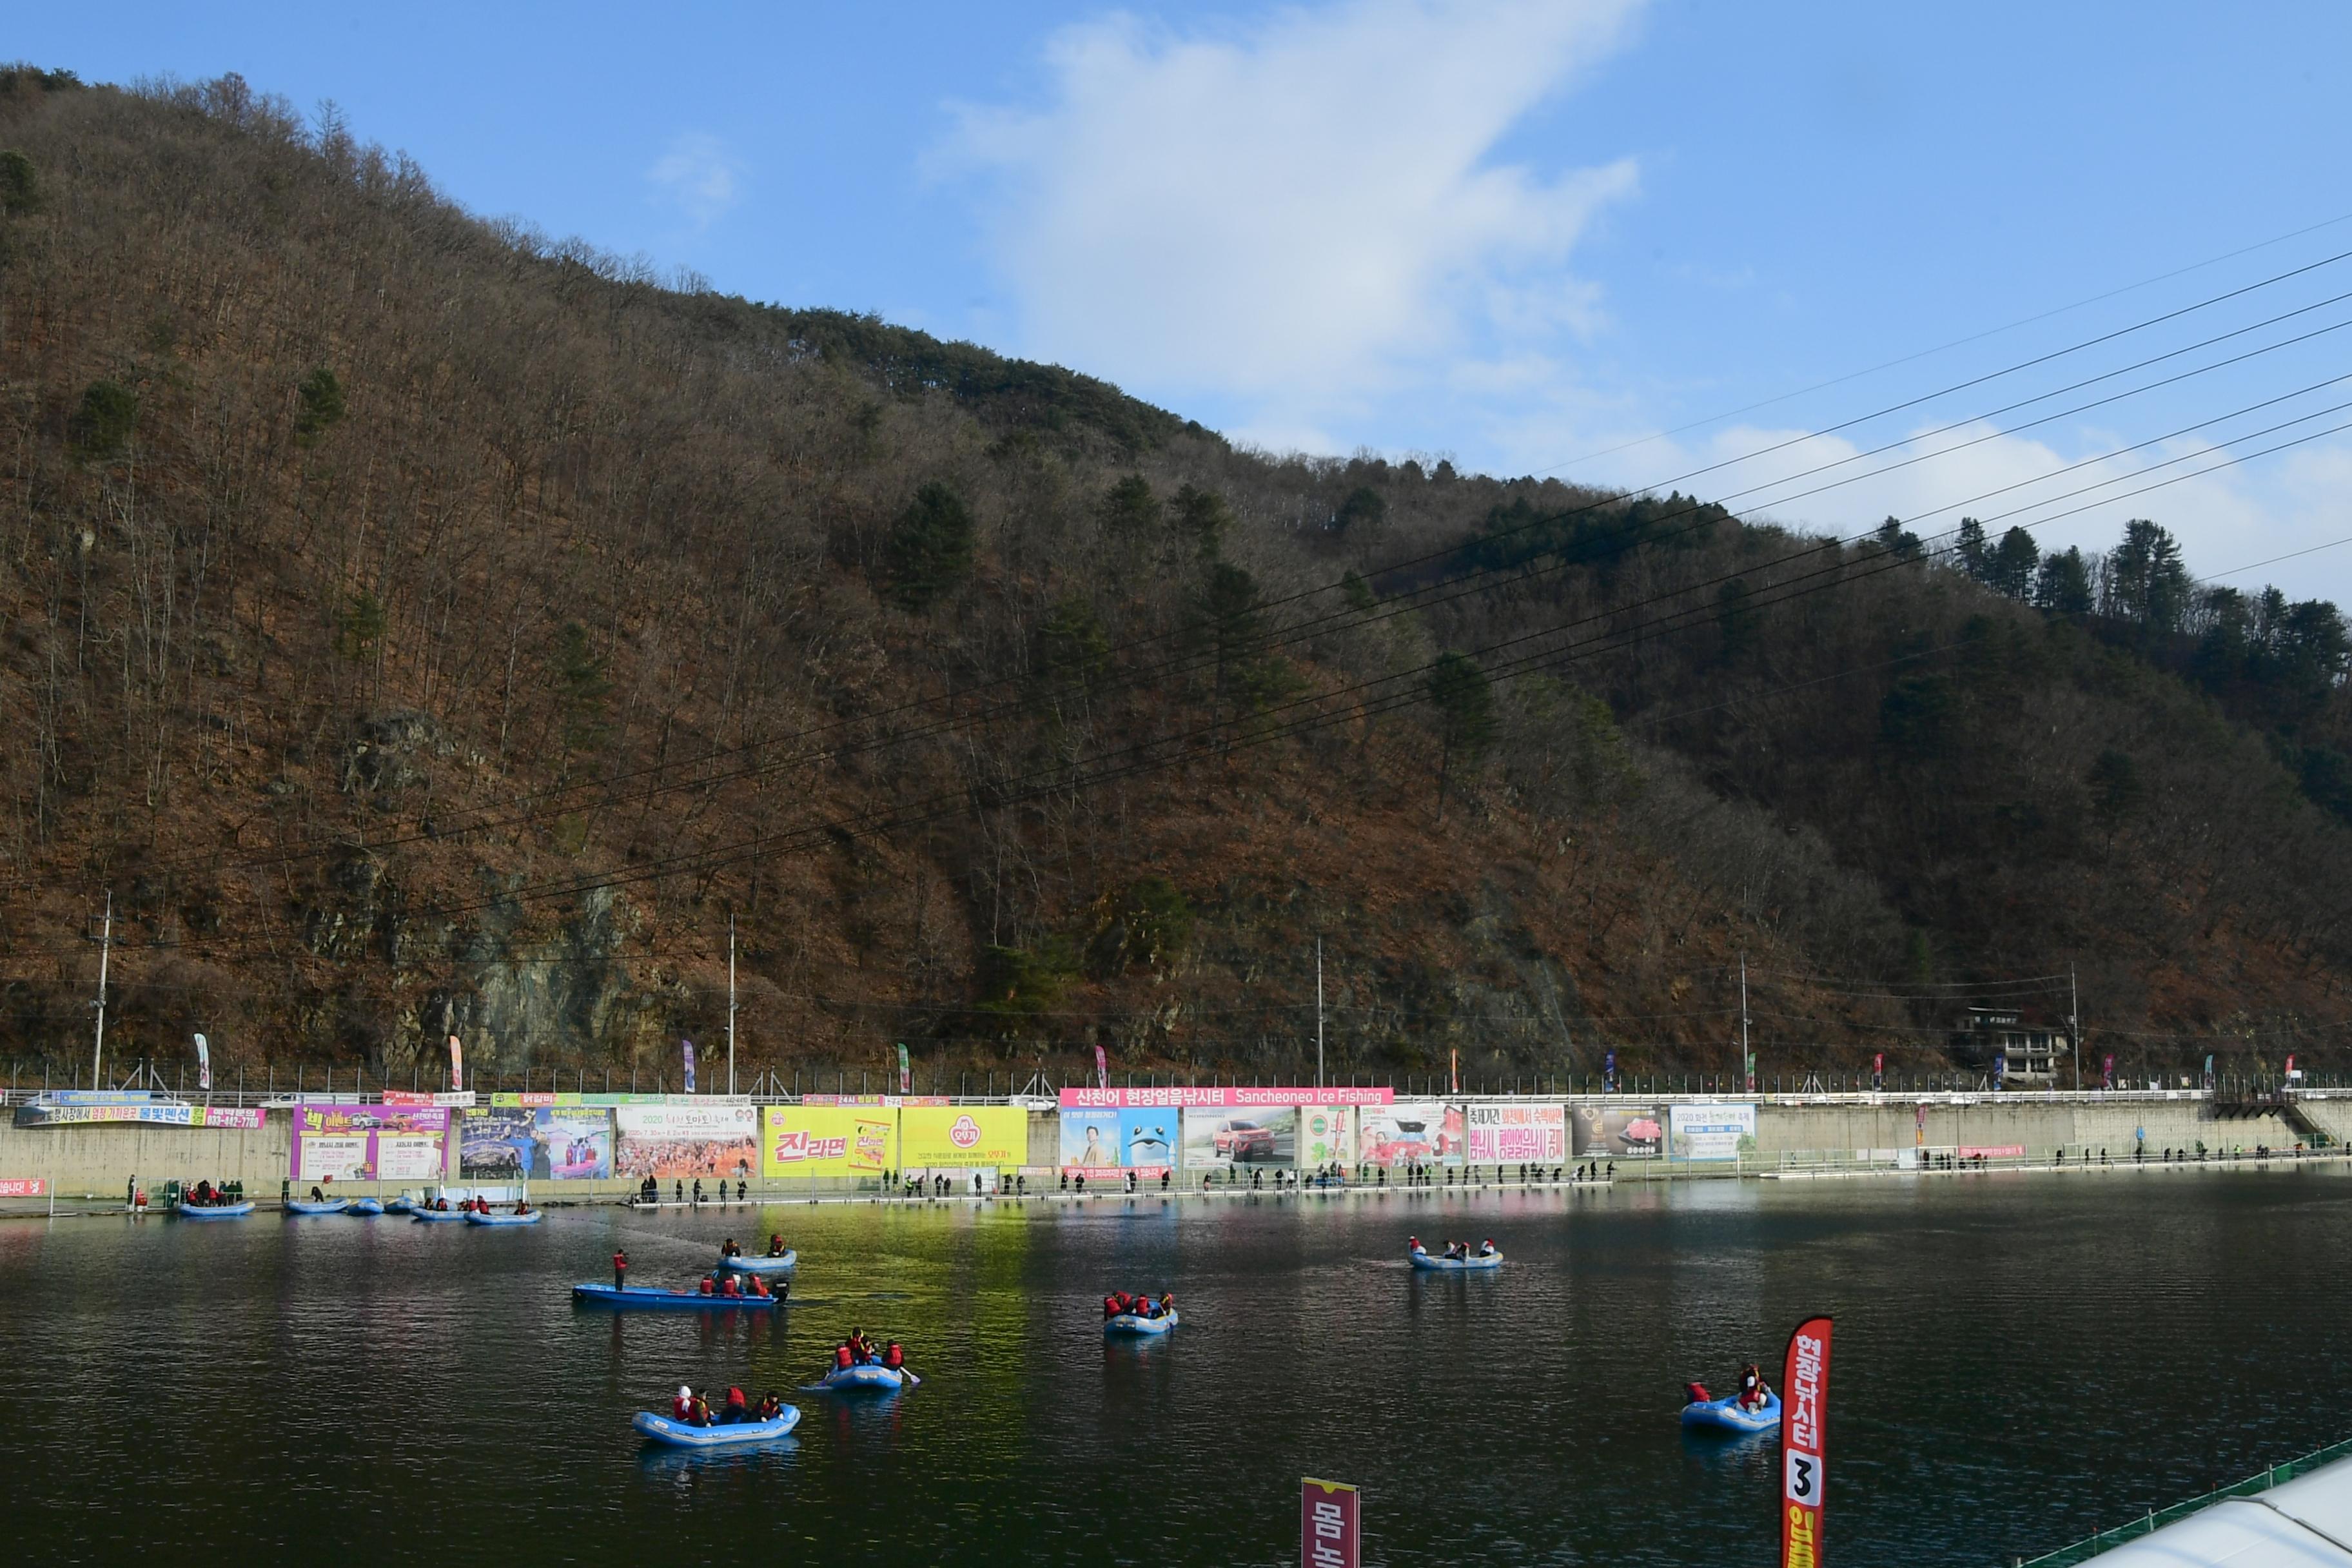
(2021, 1361)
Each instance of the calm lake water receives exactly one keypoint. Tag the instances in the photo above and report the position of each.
(2020, 1360)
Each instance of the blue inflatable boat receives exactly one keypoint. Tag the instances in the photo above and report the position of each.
(364, 1207)
(303, 1207)
(861, 1380)
(439, 1216)
(653, 1298)
(678, 1434)
(1133, 1323)
(1724, 1416)
(1421, 1260)
(215, 1211)
(400, 1205)
(783, 1264)
(475, 1218)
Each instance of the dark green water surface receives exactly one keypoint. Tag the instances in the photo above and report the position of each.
(2020, 1360)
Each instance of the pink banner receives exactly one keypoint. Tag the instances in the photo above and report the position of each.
(1993, 1151)
(24, 1187)
(1196, 1094)
(874, 1100)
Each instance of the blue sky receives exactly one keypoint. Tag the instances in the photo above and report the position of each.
(1516, 234)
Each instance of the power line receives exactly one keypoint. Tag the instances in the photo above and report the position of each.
(1947, 347)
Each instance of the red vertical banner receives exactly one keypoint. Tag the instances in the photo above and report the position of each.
(1102, 1069)
(456, 1064)
(1804, 1473)
(1331, 1525)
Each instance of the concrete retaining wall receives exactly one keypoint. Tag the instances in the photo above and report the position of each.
(99, 1159)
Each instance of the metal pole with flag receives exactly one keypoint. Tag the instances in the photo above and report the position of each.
(687, 1047)
(204, 1065)
(457, 1067)
(1804, 1464)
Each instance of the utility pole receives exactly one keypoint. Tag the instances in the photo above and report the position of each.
(1318, 1013)
(105, 950)
(730, 1002)
(2074, 1025)
(1746, 1060)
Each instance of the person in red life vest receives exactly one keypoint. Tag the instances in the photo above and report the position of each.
(860, 1346)
(1168, 1303)
(775, 1246)
(1753, 1390)
(620, 1268)
(700, 1414)
(771, 1408)
(843, 1357)
(1110, 1305)
(682, 1408)
(1695, 1393)
(1487, 1247)
(709, 1287)
(728, 1287)
(737, 1412)
(756, 1287)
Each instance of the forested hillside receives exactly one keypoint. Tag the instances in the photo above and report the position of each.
(418, 624)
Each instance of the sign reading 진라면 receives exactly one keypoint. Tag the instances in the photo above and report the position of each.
(1330, 1524)
(1804, 1461)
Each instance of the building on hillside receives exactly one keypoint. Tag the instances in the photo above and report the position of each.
(2028, 1055)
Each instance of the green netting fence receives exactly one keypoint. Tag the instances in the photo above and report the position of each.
(2260, 1481)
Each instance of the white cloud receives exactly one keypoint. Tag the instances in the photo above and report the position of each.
(1298, 217)
(698, 177)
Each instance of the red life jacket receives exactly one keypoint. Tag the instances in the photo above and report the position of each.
(841, 1356)
(681, 1407)
(728, 1287)
(894, 1358)
(708, 1287)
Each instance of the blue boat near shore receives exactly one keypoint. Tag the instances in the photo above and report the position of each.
(364, 1207)
(1726, 1415)
(653, 1298)
(678, 1434)
(438, 1216)
(783, 1264)
(300, 1208)
(474, 1216)
(1421, 1260)
(215, 1211)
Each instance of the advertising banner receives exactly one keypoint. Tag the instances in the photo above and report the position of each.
(993, 1137)
(1509, 1133)
(346, 1142)
(827, 1140)
(570, 1145)
(495, 1145)
(1992, 1151)
(1098, 1142)
(1615, 1131)
(1214, 1136)
(1711, 1131)
(1804, 1450)
(1331, 1525)
(686, 1141)
(160, 1113)
(1189, 1095)
(1403, 1133)
(452, 1098)
(890, 1100)
(1326, 1135)
(24, 1186)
